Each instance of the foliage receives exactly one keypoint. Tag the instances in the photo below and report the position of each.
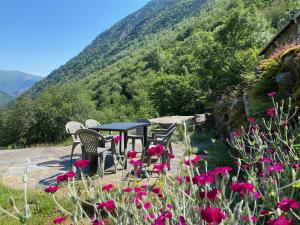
(204, 47)
(262, 190)
(42, 120)
(5, 99)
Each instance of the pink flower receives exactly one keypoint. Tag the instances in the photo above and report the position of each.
(81, 163)
(266, 160)
(235, 134)
(271, 112)
(270, 150)
(203, 178)
(59, 220)
(242, 188)
(280, 221)
(296, 166)
(107, 187)
(251, 119)
(144, 186)
(131, 154)
(157, 168)
(171, 155)
(213, 215)
(65, 176)
(136, 162)
(98, 222)
(264, 212)
(156, 150)
(193, 161)
(211, 195)
(117, 138)
(248, 218)
(286, 204)
(271, 94)
(51, 189)
(255, 127)
(147, 205)
(221, 170)
(257, 195)
(156, 190)
(109, 205)
(276, 167)
(126, 190)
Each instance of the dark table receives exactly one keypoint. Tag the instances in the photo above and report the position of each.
(123, 128)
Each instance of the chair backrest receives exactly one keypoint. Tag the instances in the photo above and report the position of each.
(89, 140)
(91, 123)
(72, 127)
(140, 130)
(166, 138)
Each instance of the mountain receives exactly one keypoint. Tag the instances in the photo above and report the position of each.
(5, 98)
(131, 31)
(14, 83)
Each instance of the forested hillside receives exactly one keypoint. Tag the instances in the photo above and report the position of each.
(173, 57)
(5, 98)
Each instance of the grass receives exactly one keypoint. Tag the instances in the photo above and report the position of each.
(42, 206)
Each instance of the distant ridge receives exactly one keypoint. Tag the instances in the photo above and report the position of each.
(15, 83)
(5, 99)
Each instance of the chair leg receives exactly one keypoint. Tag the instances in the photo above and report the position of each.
(170, 147)
(133, 144)
(116, 162)
(100, 167)
(72, 151)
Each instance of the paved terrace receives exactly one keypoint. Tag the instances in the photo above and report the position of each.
(44, 164)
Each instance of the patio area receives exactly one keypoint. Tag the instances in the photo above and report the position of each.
(44, 164)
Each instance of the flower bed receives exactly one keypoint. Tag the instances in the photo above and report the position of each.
(262, 189)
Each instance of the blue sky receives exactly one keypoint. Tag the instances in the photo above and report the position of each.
(37, 36)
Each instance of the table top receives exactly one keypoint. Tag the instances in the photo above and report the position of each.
(121, 126)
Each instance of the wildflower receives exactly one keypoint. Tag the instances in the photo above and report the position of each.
(181, 221)
(266, 160)
(126, 190)
(136, 189)
(270, 150)
(251, 119)
(51, 189)
(211, 195)
(296, 166)
(97, 222)
(59, 220)
(235, 134)
(156, 190)
(250, 218)
(242, 188)
(271, 112)
(147, 205)
(81, 163)
(171, 155)
(213, 215)
(203, 178)
(65, 176)
(131, 154)
(287, 204)
(109, 205)
(117, 138)
(264, 212)
(193, 161)
(255, 127)
(187, 178)
(281, 220)
(136, 162)
(276, 167)
(222, 170)
(271, 94)
(157, 168)
(144, 186)
(107, 187)
(156, 150)
(257, 195)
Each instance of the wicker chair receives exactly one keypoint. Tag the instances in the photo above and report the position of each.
(164, 140)
(90, 141)
(138, 133)
(71, 128)
(93, 123)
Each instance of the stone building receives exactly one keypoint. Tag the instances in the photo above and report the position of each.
(290, 33)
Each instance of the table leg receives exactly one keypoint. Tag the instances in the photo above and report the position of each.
(120, 144)
(125, 147)
(145, 132)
